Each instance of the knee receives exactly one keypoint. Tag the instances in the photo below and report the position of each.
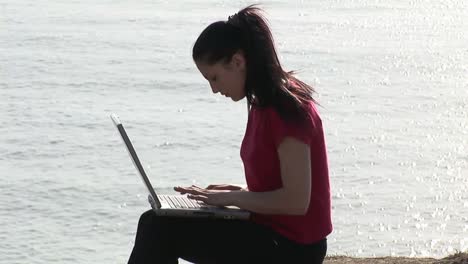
(146, 218)
(147, 215)
(150, 220)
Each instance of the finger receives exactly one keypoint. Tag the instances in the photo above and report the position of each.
(194, 187)
(180, 190)
(198, 198)
(219, 187)
(190, 190)
(222, 187)
(185, 188)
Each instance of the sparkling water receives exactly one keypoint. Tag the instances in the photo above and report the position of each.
(391, 77)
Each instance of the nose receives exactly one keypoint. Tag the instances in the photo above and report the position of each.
(214, 88)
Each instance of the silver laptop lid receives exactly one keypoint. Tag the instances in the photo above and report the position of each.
(135, 159)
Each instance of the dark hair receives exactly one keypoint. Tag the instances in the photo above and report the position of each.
(267, 84)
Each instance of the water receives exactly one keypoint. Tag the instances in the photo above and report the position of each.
(392, 82)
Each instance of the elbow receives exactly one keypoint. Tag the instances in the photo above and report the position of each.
(304, 209)
(301, 210)
(301, 201)
(297, 211)
(299, 207)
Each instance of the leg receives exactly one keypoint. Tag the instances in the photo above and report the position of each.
(292, 252)
(161, 239)
(318, 252)
(226, 241)
(152, 242)
(247, 242)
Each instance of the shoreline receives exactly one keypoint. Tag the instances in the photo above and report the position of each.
(457, 258)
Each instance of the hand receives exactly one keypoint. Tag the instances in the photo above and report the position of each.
(211, 197)
(230, 187)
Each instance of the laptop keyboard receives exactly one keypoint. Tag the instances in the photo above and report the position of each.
(181, 201)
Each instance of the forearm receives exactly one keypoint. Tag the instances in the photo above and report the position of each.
(272, 202)
(243, 187)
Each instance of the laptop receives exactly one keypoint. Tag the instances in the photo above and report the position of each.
(177, 205)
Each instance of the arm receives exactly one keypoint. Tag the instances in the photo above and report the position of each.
(231, 187)
(291, 199)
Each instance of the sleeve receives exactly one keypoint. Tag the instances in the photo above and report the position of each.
(280, 129)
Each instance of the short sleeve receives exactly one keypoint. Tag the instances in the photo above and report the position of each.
(280, 129)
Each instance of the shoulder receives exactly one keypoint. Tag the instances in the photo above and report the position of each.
(313, 114)
(312, 117)
(273, 124)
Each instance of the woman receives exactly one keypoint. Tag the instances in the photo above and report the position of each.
(284, 158)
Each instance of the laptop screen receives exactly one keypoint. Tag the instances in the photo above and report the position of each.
(135, 159)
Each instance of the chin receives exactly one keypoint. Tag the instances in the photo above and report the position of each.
(237, 99)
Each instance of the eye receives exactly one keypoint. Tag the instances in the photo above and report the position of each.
(214, 79)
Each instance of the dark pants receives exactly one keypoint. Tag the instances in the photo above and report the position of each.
(162, 239)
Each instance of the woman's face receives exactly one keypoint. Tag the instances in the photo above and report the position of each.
(226, 78)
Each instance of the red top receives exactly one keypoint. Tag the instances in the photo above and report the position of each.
(265, 131)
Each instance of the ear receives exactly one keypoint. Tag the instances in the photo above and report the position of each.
(238, 60)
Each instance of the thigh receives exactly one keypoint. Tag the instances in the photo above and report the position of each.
(204, 240)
